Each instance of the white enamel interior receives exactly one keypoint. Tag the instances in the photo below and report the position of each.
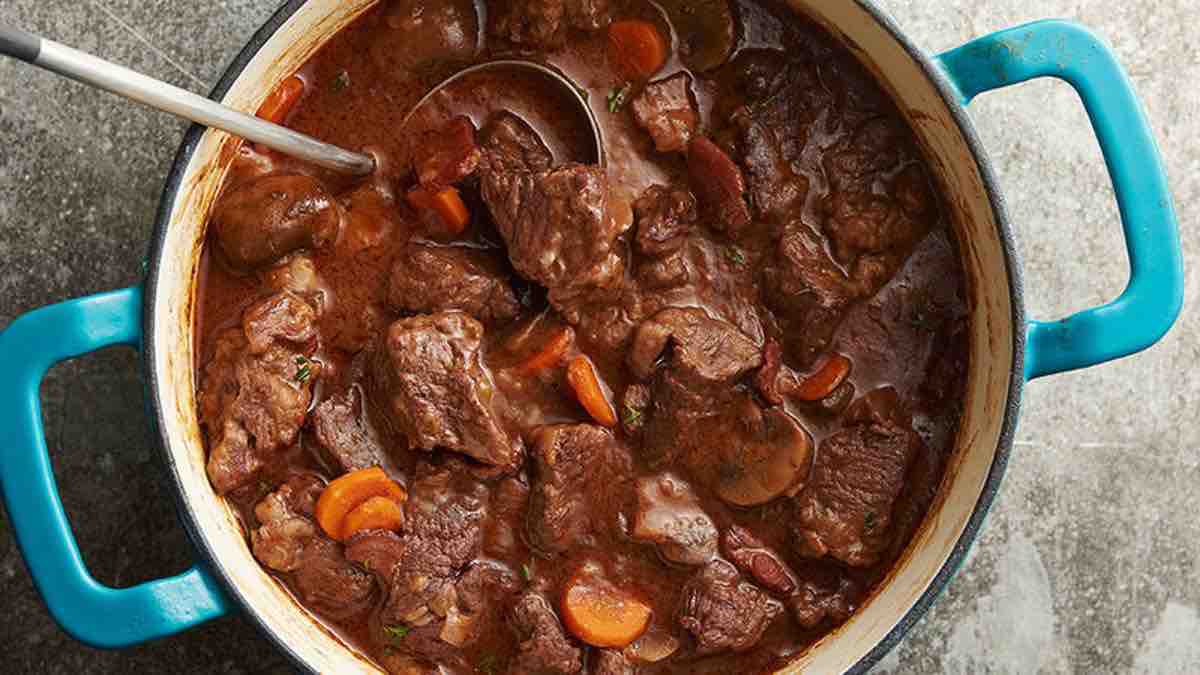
(991, 348)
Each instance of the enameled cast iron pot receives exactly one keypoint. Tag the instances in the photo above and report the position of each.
(1006, 349)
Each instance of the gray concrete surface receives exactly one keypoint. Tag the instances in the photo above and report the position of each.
(1088, 563)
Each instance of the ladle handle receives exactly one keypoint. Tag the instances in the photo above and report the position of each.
(97, 72)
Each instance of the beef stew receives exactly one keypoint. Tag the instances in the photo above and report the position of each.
(497, 409)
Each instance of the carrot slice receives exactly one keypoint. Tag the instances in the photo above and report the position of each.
(603, 615)
(636, 47)
(447, 204)
(279, 103)
(830, 374)
(377, 513)
(581, 375)
(348, 492)
(551, 354)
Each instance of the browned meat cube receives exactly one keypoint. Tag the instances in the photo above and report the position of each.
(543, 647)
(429, 279)
(704, 351)
(444, 518)
(262, 220)
(510, 144)
(808, 290)
(664, 217)
(810, 600)
(345, 434)
(776, 191)
(557, 226)
(667, 111)
(846, 510)
(723, 612)
(576, 467)
(426, 374)
(545, 23)
(257, 389)
(288, 541)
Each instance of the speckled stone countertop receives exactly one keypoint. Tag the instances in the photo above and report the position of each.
(1089, 560)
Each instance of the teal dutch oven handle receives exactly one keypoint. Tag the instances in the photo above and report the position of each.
(88, 610)
(1151, 302)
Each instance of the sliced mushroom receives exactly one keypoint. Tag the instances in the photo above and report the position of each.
(774, 460)
(652, 647)
(705, 29)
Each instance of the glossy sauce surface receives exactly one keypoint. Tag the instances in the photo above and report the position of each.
(908, 334)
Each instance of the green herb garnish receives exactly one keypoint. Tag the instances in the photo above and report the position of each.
(526, 573)
(341, 82)
(616, 97)
(303, 369)
(869, 521)
(630, 415)
(735, 255)
(488, 664)
(396, 633)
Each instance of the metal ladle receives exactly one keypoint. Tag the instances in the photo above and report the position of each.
(522, 68)
(97, 72)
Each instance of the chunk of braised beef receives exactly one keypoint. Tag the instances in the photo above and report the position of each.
(666, 109)
(863, 223)
(427, 278)
(872, 148)
(664, 217)
(723, 612)
(811, 598)
(426, 374)
(503, 536)
(557, 227)
(345, 435)
(447, 155)
(760, 73)
(283, 317)
(576, 467)
(669, 515)
(776, 191)
(719, 186)
(264, 219)
(543, 648)
(611, 662)
(846, 510)
(510, 144)
(808, 291)
(285, 522)
(700, 350)
(257, 388)
(691, 363)
(288, 541)
(444, 517)
(331, 584)
(546, 23)
(832, 598)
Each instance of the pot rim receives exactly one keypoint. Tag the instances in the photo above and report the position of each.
(958, 112)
